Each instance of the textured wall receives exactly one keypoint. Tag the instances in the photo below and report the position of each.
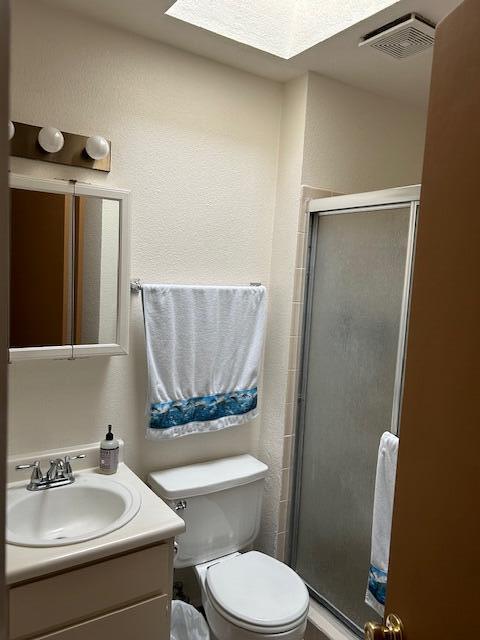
(281, 286)
(197, 144)
(337, 139)
(358, 141)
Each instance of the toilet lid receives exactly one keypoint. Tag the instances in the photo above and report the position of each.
(255, 589)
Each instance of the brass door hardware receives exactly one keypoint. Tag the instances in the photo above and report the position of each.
(391, 630)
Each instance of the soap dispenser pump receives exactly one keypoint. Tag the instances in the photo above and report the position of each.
(109, 449)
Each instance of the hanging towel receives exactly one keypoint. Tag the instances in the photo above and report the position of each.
(204, 349)
(382, 522)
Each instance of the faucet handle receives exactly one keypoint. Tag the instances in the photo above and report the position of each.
(31, 465)
(68, 466)
(37, 475)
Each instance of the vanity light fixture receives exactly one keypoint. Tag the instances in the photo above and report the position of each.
(11, 129)
(51, 139)
(49, 144)
(97, 147)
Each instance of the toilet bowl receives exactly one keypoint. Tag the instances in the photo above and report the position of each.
(252, 596)
(246, 596)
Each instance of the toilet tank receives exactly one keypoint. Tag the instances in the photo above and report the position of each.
(220, 502)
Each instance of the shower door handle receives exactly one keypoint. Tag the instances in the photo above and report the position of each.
(391, 630)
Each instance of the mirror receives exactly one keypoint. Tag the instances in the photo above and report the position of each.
(97, 235)
(69, 284)
(40, 268)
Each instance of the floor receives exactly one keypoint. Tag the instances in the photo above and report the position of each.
(312, 633)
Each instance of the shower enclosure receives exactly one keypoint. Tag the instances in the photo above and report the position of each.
(358, 289)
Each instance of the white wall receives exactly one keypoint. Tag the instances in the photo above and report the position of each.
(281, 285)
(197, 143)
(340, 139)
(358, 141)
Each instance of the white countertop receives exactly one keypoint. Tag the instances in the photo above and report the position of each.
(154, 522)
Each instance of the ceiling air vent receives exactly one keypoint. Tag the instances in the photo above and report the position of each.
(403, 37)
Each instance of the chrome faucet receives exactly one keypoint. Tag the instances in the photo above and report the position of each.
(59, 474)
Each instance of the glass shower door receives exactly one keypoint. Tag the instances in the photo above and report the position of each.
(352, 371)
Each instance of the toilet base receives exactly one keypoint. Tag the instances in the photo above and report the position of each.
(222, 629)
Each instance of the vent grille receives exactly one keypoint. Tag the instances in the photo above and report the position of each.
(405, 38)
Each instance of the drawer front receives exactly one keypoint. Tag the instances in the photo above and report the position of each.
(67, 598)
(148, 620)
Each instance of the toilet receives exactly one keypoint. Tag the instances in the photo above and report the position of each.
(246, 596)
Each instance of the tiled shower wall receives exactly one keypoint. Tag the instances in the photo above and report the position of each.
(295, 339)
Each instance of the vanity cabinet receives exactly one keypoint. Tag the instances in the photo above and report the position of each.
(122, 597)
(148, 620)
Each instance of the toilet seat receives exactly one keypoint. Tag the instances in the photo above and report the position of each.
(258, 593)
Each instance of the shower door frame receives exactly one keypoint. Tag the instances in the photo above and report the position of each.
(384, 200)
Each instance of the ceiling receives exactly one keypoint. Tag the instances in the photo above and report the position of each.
(337, 57)
(297, 25)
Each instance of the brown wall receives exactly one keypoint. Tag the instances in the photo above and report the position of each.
(434, 562)
(4, 70)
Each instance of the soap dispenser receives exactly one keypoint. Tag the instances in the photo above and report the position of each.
(109, 449)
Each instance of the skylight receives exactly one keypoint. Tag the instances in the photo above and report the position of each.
(284, 28)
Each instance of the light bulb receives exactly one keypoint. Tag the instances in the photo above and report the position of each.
(97, 147)
(51, 139)
(11, 129)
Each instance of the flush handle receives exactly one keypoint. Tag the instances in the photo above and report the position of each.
(180, 505)
(391, 630)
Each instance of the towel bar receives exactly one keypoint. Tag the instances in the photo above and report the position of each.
(136, 285)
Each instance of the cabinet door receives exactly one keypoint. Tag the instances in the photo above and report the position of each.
(149, 620)
(87, 592)
(70, 290)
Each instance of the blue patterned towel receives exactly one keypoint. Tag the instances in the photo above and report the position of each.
(382, 522)
(204, 350)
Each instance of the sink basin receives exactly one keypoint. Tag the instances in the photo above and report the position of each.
(92, 506)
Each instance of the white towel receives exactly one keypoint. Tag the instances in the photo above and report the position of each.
(204, 349)
(382, 522)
